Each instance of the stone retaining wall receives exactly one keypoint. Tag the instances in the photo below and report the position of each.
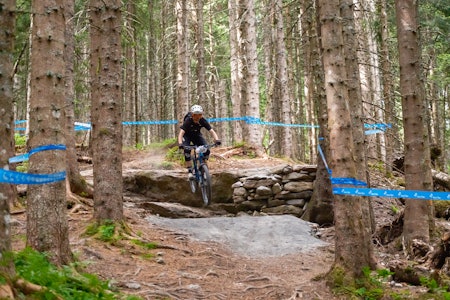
(284, 190)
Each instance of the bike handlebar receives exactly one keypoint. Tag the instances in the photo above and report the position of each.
(195, 147)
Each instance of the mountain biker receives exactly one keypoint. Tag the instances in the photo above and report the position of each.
(190, 132)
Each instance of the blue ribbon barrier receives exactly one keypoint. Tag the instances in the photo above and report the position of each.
(163, 122)
(14, 177)
(373, 131)
(406, 194)
(377, 128)
(347, 180)
(25, 156)
(82, 126)
(212, 120)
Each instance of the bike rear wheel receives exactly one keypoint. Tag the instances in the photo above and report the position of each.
(205, 185)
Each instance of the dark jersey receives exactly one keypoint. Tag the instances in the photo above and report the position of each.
(193, 129)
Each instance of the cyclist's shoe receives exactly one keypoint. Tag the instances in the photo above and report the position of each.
(190, 175)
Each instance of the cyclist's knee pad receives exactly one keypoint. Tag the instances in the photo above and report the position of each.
(206, 155)
(187, 156)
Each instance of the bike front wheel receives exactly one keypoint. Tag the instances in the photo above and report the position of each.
(205, 185)
(193, 184)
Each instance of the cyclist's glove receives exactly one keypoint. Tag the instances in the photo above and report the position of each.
(218, 142)
(180, 146)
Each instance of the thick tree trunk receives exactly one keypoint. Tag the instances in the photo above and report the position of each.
(353, 243)
(235, 65)
(106, 111)
(47, 228)
(76, 182)
(417, 151)
(282, 81)
(182, 89)
(250, 85)
(7, 191)
(200, 55)
(356, 103)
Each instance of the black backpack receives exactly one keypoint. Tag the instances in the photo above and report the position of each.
(187, 116)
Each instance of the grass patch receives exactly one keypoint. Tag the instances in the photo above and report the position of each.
(20, 140)
(60, 283)
(106, 232)
(369, 286)
(146, 245)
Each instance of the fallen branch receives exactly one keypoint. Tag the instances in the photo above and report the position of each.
(252, 287)
(441, 178)
(29, 288)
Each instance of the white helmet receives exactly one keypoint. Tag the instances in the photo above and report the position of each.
(197, 109)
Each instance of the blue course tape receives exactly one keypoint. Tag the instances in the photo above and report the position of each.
(377, 128)
(212, 120)
(82, 126)
(14, 177)
(151, 122)
(26, 156)
(407, 194)
(373, 131)
(347, 180)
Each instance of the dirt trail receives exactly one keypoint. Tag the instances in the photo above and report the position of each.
(215, 258)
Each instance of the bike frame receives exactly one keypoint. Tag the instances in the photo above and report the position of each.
(198, 161)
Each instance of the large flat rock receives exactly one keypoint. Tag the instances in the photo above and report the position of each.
(253, 236)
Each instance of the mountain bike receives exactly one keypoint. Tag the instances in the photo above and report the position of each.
(200, 170)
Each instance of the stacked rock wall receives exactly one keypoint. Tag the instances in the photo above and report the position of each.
(282, 190)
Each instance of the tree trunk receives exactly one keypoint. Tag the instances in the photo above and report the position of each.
(320, 207)
(47, 228)
(417, 152)
(387, 83)
(129, 112)
(313, 80)
(200, 54)
(7, 191)
(235, 65)
(182, 98)
(282, 81)
(76, 182)
(353, 244)
(106, 111)
(250, 85)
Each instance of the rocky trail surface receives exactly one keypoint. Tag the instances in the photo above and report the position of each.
(207, 255)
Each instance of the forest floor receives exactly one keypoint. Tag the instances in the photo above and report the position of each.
(183, 267)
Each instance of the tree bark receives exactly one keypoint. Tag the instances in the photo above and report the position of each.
(250, 85)
(387, 83)
(235, 65)
(357, 116)
(200, 54)
(47, 228)
(353, 244)
(182, 89)
(417, 164)
(77, 183)
(106, 109)
(281, 63)
(7, 191)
